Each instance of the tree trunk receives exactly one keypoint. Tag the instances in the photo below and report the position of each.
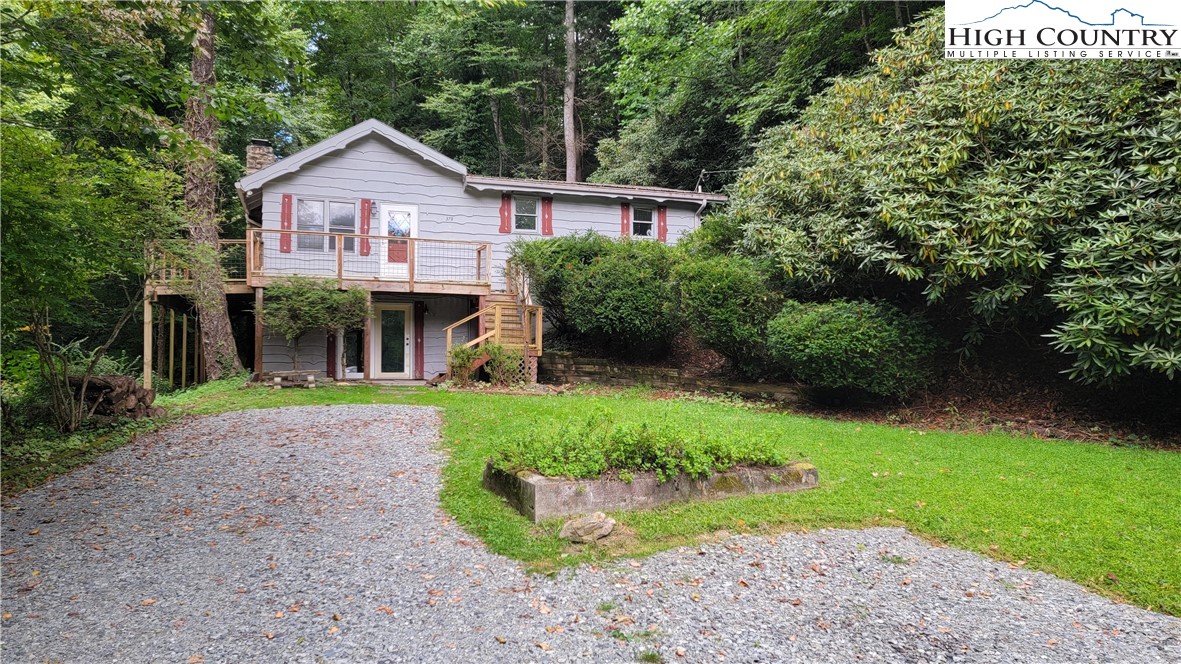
(218, 351)
(572, 151)
(494, 104)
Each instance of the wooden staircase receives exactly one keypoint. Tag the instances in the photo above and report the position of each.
(503, 320)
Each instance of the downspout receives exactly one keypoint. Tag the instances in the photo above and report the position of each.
(697, 215)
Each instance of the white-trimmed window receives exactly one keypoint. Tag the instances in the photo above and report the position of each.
(643, 222)
(525, 213)
(342, 218)
(309, 216)
(320, 216)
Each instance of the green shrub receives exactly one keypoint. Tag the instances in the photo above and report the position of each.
(726, 302)
(624, 299)
(299, 305)
(549, 263)
(855, 346)
(595, 445)
(1034, 193)
(460, 362)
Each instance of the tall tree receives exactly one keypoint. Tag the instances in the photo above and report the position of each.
(219, 353)
(568, 96)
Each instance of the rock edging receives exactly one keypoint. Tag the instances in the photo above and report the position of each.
(541, 498)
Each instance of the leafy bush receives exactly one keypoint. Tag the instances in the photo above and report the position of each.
(853, 346)
(460, 362)
(595, 445)
(624, 299)
(300, 305)
(1035, 192)
(726, 302)
(550, 263)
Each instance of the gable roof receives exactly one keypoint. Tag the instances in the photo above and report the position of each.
(249, 187)
(342, 140)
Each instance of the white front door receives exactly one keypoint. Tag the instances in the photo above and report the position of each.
(398, 223)
(393, 352)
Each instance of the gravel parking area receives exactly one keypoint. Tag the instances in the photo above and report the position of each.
(314, 535)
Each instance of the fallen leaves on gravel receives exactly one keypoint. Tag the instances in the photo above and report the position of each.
(147, 602)
(7, 552)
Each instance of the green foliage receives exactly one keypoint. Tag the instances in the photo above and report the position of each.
(550, 265)
(460, 361)
(505, 365)
(697, 80)
(300, 305)
(726, 301)
(596, 444)
(856, 346)
(624, 299)
(1030, 192)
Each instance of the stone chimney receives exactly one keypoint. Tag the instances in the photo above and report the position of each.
(259, 155)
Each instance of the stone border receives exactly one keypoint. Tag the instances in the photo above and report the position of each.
(542, 498)
(559, 367)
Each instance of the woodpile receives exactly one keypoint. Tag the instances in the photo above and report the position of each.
(117, 396)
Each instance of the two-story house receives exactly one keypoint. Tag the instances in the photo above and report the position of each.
(374, 208)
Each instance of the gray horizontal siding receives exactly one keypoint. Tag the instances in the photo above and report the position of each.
(442, 311)
(373, 168)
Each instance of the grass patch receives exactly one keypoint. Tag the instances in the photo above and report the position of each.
(1099, 515)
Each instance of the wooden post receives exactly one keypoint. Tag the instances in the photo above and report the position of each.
(479, 256)
(258, 333)
(496, 318)
(537, 329)
(198, 369)
(340, 262)
(147, 340)
(411, 250)
(184, 350)
(367, 337)
(171, 347)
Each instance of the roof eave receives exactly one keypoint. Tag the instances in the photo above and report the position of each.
(485, 183)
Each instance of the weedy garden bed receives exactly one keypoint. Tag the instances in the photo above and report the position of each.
(595, 464)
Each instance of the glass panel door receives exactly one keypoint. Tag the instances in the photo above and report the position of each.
(353, 353)
(393, 341)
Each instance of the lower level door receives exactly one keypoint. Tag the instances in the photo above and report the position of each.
(393, 354)
(352, 354)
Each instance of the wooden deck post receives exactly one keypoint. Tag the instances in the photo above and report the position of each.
(184, 350)
(367, 337)
(258, 333)
(412, 249)
(171, 347)
(147, 340)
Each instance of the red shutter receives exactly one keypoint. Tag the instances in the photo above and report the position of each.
(625, 219)
(419, 350)
(285, 224)
(547, 216)
(331, 353)
(662, 223)
(506, 213)
(366, 204)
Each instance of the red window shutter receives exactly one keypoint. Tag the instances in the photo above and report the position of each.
(285, 224)
(547, 216)
(662, 223)
(366, 204)
(419, 338)
(506, 213)
(625, 219)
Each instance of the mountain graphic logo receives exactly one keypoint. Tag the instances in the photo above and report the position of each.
(1119, 12)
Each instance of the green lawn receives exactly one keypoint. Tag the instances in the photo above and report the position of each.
(1103, 516)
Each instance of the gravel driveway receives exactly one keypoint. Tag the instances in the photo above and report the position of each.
(314, 535)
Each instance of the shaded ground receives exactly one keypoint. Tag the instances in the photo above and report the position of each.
(313, 534)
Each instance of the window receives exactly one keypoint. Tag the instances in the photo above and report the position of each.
(342, 218)
(524, 214)
(642, 222)
(310, 217)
